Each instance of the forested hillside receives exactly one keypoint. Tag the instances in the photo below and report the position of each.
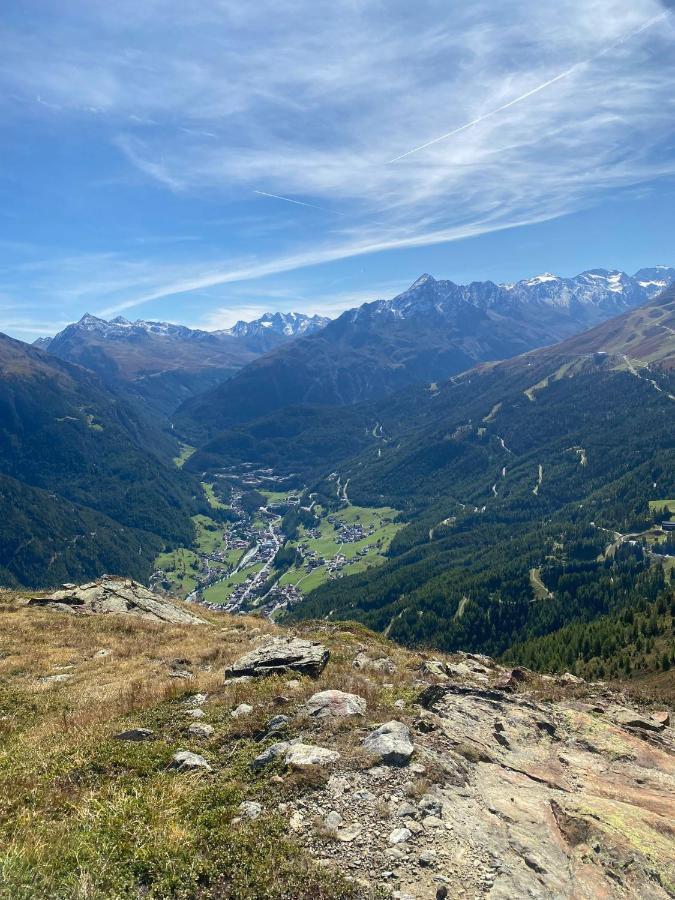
(527, 487)
(45, 540)
(64, 433)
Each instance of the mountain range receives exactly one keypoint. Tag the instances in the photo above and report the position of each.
(161, 363)
(431, 331)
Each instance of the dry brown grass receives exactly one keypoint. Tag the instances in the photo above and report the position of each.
(70, 793)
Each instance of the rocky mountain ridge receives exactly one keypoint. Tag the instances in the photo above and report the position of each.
(290, 324)
(596, 292)
(375, 772)
(286, 324)
(430, 332)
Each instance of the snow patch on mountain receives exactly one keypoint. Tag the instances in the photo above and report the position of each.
(289, 324)
(594, 293)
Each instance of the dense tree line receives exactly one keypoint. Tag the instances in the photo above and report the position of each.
(638, 638)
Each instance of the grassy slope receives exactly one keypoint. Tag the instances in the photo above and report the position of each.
(85, 816)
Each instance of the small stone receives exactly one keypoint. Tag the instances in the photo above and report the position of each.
(181, 673)
(568, 678)
(242, 710)
(400, 836)
(383, 664)
(195, 713)
(196, 700)
(250, 809)
(136, 734)
(185, 761)
(418, 769)
(333, 820)
(276, 723)
(661, 717)
(432, 822)
(430, 805)
(348, 834)
(427, 858)
(293, 684)
(296, 821)
(200, 731)
(327, 704)
(406, 810)
(337, 785)
(100, 654)
(391, 743)
(56, 679)
(365, 795)
(400, 704)
(268, 756)
(301, 755)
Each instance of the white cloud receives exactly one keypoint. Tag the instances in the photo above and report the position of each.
(310, 100)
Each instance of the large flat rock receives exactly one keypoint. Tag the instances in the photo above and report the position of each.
(280, 655)
(120, 596)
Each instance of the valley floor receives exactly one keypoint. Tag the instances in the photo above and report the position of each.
(232, 566)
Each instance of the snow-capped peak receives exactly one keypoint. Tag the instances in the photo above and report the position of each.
(543, 278)
(289, 324)
(421, 281)
(92, 323)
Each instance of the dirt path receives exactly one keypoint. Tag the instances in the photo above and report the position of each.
(540, 478)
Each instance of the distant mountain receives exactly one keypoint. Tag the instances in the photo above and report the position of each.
(162, 363)
(73, 454)
(431, 331)
(284, 324)
(312, 439)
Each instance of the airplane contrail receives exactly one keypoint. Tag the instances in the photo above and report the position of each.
(536, 90)
(289, 200)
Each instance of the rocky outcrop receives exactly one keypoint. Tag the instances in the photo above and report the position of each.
(509, 795)
(120, 596)
(280, 655)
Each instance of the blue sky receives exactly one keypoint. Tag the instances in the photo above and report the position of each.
(141, 142)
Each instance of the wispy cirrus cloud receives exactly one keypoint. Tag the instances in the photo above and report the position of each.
(393, 125)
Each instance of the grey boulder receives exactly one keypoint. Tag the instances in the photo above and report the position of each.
(280, 655)
(200, 731)
(327, 704)
(184, 761)
(390, 743)
(300, 756)
(249, 809)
